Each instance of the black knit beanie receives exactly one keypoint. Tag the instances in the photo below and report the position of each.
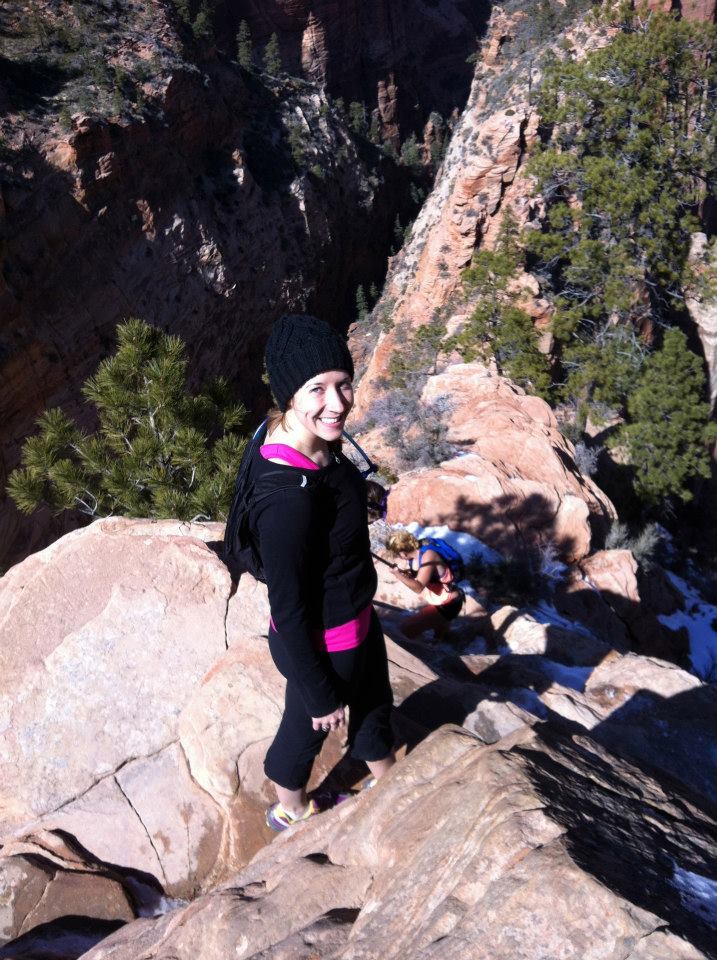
(301, 347)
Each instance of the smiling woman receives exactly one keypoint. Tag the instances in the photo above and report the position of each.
(315, 416)
(312, 537)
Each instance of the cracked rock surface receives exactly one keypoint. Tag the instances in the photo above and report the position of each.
(464, 851)
(132, 749)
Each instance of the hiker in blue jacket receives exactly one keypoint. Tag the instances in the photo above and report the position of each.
(429, 575)
(312, 540)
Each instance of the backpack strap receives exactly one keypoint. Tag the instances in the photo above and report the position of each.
(371, 467)
(238, 499)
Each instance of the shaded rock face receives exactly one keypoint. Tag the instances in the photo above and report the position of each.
(197, 221)
(139, 698)
(402, 58)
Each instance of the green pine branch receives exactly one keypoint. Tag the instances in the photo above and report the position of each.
(160, 451)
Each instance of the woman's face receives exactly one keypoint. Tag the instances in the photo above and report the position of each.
(323, 403)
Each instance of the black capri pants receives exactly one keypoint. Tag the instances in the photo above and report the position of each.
(360, 677)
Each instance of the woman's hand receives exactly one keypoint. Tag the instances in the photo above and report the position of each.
(407, 579)
(332, 721)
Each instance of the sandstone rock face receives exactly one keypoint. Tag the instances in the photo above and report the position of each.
(478, 180)
(138, 701)
(99, 656)
(704, 312)
(515, 483)
(614, 575)
(464, 851)
(86, 624)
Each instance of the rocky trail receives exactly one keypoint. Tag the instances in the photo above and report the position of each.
(555, 795)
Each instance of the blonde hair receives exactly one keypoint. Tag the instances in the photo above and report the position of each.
(402, 542)
(275, 418)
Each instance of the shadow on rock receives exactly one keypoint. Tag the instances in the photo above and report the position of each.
(638, 835)
(63, 939)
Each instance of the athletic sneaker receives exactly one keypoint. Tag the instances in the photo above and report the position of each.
(279, 819)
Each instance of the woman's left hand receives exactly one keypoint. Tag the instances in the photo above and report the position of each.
(332, 721)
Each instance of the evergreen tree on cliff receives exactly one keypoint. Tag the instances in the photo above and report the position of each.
(629, 157)
(633, 153)
(668, 432)
(272, 56)
(159, 451)
(244, 47)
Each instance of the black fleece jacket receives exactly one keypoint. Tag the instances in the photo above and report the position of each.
(314, 545)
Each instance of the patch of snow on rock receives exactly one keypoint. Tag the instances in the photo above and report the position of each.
(698, 893)
(700, 620)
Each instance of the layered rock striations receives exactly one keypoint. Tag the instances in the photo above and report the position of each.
(524, 849)
(137, 710)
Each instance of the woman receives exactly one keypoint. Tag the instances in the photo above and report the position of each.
(432, 580)
(325, 637)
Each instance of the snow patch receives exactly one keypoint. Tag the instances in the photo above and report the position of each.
(700, 620)
(546, 613)
(573, 677)
(698, 893)
(149, 901)
(467, 545)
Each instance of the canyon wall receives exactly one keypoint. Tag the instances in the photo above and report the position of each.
(229, 200)
(402, 58)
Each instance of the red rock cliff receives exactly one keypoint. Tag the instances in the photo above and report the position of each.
(404, 57)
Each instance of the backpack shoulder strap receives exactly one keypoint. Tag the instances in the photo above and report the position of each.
(241, 484)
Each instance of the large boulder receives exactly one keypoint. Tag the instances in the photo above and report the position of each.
(524, 849)
(104, 636)
(515, 485)
(138, 682)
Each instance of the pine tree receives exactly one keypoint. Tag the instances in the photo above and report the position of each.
(362, 307)
(357, 118)
(668, 432)
(244, 47)
(272, 56)
(203, 26)
(183, 10)
(411, 154)
(159, 451)
(633, 153)
(498, 326)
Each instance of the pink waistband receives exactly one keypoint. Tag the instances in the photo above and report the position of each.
(345, 636)
(281, 451)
